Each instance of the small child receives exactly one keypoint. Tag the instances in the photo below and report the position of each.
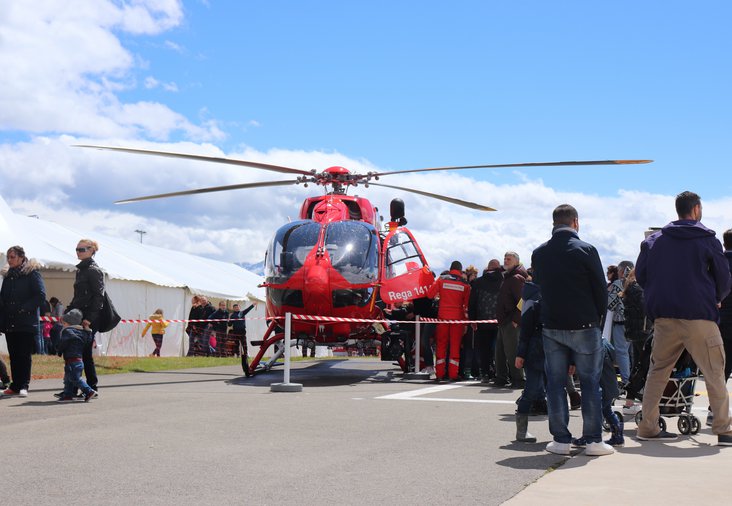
(158, 330)
(530, 357)
(71, 346)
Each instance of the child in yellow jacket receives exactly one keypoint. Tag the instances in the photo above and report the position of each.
(158, 329)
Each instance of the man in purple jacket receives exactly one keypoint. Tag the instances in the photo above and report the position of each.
(684, 275)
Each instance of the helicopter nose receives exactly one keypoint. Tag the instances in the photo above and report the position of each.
(317, 290)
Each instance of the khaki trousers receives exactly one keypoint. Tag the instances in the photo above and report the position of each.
(703, 341)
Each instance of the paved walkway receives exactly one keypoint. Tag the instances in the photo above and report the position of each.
(353, 436)
(691, 469)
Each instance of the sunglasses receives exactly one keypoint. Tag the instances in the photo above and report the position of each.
(82, 250)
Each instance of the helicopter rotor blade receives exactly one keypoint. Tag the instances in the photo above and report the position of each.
(203, 158)
(209, 190)
(451, 200)
(529, 164)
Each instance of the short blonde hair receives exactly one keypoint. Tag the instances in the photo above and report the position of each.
(93, 244)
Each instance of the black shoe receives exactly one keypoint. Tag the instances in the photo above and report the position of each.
(499, 382)
(666, 436)
(59, 394)
(724, 440)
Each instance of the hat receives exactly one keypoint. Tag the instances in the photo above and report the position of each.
(73, 317)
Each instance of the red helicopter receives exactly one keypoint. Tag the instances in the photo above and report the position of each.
(336, 260)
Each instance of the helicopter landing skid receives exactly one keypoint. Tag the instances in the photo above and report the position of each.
(268, 340)
(278, 354)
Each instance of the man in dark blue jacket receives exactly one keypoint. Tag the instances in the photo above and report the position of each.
(684, 275)
(572, 281)
(725, 311)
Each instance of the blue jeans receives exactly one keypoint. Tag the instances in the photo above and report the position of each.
(73, 379)
(622, 351)
(40, 347)
(584, 349)
(534, 390)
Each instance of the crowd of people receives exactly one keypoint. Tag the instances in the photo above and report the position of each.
(563, 320)
(225, 335)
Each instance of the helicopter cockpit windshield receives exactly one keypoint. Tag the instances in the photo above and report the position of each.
(401, 255)
(289, 248)
(353, 250)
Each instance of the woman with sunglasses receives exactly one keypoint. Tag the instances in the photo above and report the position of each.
(89, 299)
(21, 295)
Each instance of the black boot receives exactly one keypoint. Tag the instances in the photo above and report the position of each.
(522, 425)
(245, 366)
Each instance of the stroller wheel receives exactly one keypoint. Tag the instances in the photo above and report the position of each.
(638, 417)
(684, 425)
(662, 423)
(695, 425)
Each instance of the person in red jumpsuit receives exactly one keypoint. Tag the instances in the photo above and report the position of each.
(454, 294)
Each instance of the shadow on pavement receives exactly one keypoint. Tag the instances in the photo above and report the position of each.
(324, 373)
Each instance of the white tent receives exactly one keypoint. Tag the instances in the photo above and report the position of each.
(139, 279)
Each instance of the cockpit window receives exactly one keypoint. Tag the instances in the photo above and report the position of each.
(353, 249)
(402, 255)
(289, 248)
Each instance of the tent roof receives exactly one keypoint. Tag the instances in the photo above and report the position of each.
(53, 245)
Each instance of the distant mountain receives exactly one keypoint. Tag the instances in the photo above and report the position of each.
(257, 268)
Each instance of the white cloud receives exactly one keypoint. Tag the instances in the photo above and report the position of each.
(173, 46)
(63, 64)
(151, 82)
(172, 87)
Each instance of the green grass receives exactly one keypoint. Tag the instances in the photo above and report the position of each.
(51, 366)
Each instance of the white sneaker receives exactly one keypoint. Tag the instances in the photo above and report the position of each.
(631, 410)
(559, 448)
(23, 393)
(598, 449)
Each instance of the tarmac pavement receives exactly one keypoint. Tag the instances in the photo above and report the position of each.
(357, 434)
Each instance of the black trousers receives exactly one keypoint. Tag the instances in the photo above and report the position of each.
(90, 370)
(4, 373)
(726, 330)
(486, 335)
(20, 349)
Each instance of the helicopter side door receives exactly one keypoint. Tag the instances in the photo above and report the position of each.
(405, 274)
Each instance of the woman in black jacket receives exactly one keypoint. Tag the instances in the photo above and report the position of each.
(22, 293)
(89, 299)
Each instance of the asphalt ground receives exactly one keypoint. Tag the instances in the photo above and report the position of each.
(357, 434)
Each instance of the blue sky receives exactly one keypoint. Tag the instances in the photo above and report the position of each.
(377, 85)
(411, 85)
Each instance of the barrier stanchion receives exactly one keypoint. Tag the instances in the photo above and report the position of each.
(416, 374)
(286, 386)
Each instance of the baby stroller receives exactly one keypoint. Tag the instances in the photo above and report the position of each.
(678, 397)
